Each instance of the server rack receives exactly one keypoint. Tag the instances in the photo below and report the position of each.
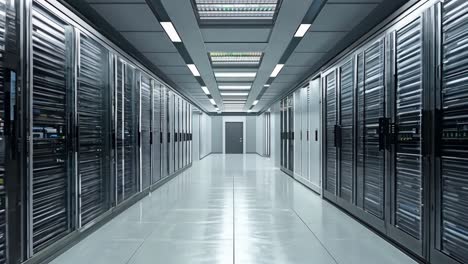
(50, 185)
(290, 117)
(93, 117)
(346, 131)
(383, 133)
(170, 132)
(165, 132)
(156, 134)
(145, 130)
(332, 132)
(315, 162)
(91, 113)
(9, 165)
(305, 135)
(451, 135)
(297, 141)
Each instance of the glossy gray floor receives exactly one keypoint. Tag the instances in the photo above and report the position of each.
(233, 209)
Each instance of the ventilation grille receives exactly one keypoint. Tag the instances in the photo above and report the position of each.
(374, 103)
(93, 129)
(408, 121)
(347, 120)
(330, 81)
(50, 177)
(454, 125)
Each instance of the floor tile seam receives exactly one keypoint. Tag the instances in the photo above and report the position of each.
(233, 219)
(316, 237)
(139, 246)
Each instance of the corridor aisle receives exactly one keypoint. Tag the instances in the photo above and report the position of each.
(233, 209)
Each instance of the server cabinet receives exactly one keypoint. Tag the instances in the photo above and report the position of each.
(332, 129)
(451, 177)
(145, 130)
(186, 134)
(406, 134)
(291, 131)
(127, 130)
(9, 119)
(93, 119)
(297, 141)
(156, 134)
(177, 129)
(50, 182)
(305, 136)
(191, 134)
(170, 133)
(371, 134)
(315, 163)
(346, 127)
(165, 140)
(282, 136)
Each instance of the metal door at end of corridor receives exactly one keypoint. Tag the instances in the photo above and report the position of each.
(234, 138)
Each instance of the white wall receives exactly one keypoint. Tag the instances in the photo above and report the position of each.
(260, 134)
(205, 135)
(275, 133)
(217, 134)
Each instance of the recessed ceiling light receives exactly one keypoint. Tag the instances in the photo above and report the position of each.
(266, 85)
(193, 69)
(234, 94)
(248, 111)
(212, 101)
(235, 74)
(236, 9)
(255, 102)
(171, 31)
(234, 87)
(302, 30)
(205, 90)
(277, 70)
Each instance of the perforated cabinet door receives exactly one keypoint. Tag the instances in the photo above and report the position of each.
(51, 151)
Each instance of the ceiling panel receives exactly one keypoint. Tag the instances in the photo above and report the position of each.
(235, 34)
(115, 1)
(183, 78)
(129, 17)
(173, 70)
(237, 47)
(350, 16)
(294, 70)
(150, 41)
(304, 59)
(287, 78)
(165, 59)
(355, 1)
(320, 41)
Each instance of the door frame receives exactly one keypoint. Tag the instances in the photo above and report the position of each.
(239, 119)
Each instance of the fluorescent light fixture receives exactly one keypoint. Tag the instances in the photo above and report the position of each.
(205, 90)
(255, 102)
(235, 74)
(302, 30)
(236, 9)
(266, 85)
(171, 31)
(234, 94)
(235, 58)
(277, 70)
(234, 87)
(193, 69)
(217, 109)
(248, 111)
(212, 101)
